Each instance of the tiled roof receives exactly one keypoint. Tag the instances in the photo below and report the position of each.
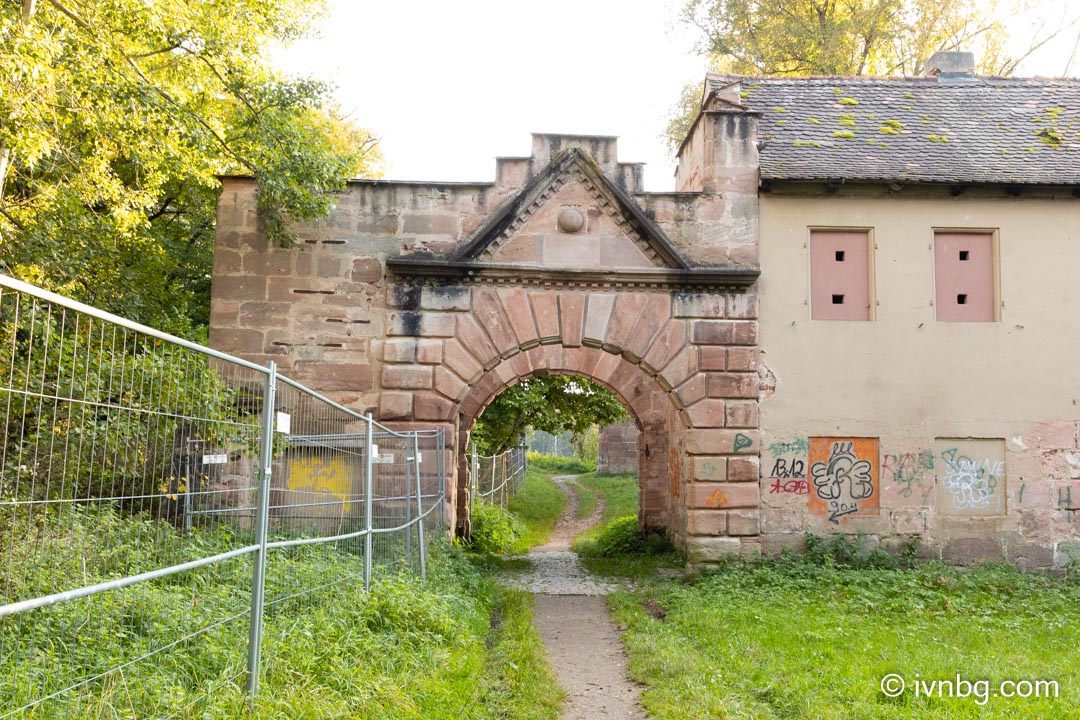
(990, 130)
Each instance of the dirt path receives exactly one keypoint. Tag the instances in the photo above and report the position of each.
(572, 618)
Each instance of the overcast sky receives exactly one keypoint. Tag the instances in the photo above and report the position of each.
(449, 86)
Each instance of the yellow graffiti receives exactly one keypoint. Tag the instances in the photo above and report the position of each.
(319, 476)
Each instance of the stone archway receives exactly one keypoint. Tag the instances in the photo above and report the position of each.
(683, 363)
(420, 302)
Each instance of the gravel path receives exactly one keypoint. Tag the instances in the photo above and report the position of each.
(572, 619)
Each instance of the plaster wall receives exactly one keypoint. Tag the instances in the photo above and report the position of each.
(925, 387)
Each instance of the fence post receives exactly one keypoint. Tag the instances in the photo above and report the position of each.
(266, 459)
(440, 457)
(419, 511)
(369, 464)
(474, 481)
(408, 504)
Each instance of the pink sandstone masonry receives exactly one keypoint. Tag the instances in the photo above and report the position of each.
(420, 302)
(618, 448)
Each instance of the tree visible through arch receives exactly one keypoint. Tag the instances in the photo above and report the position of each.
(552, 403)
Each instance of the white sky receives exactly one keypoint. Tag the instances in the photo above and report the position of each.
(448, 86)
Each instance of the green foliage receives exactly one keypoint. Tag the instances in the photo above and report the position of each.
(123, 425)
(405, 650)
(538, 505)
(622, 537)
(770, 639)
(559, 465)
(553, 403)
(116, 119)
(860, 37)
(856, 552)
(494, 529)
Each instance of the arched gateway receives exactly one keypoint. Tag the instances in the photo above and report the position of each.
(423, 301)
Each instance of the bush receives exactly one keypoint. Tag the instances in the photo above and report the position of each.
(622, 537)
(850, 551)
(557, 464)
(494, 529)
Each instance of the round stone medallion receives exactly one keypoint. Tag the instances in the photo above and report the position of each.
(571, 220)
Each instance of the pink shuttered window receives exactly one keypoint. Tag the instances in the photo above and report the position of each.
(840, 275)
(964, 277)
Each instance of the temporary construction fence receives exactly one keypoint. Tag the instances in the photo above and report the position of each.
(495, 478)
(161, 501)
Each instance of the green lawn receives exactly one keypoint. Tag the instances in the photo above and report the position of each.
(538, 505)
(620, 492)
(457, 647)
(799, 639)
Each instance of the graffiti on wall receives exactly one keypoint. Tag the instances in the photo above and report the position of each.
(844, 477)
(909, 472)
(319, 476)
(970, 476)
(787, 469)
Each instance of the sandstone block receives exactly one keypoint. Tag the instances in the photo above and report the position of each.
(722, 495)
(408, 376)
(732, 385)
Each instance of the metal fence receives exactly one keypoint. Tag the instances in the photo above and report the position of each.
(161, 501)
(495, 478)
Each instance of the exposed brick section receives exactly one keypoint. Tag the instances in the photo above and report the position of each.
(366, 270)
(667, 344)
(714, 442)
(446, 298)
(650, 323)
(448, 383)
(691, 391)
(399, 350)
(693, 305)
(460, 361)
(395, 405)
(489, 312)
(515, 302)
(545, 311)
(742, 358)
(706, 467)
(624, 316)
(429, 352)
(407, 376)
(732, 385)
(475, 340)
(744, 522)
(708, 414)
(240, 287)
(572, 318)
(597, 316)
(429, 406)
(707, 522)
(742, 414)
(721, 495)
(743, 469)
(713, 357)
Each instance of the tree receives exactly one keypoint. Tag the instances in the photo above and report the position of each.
(554, 404)
(851, 37)
(115, 120)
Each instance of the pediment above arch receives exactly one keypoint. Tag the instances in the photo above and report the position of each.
(570, 224)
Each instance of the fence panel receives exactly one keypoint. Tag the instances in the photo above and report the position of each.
(141, 541)
(495, 478)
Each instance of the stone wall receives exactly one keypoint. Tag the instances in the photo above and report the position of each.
(618, 446)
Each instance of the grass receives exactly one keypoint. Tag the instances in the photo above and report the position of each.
(586, 502)
(456, 647)
(560, 465)
(799, 638)
(538, 504)
(620, 493)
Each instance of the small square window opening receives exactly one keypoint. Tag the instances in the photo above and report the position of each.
(964, 254)
(961, 299)
(837, 299)
(839, 256)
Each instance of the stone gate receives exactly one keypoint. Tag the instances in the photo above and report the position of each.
(420, 302)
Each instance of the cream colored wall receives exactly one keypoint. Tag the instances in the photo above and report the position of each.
(909, 379)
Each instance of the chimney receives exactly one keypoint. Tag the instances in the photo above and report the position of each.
(955, 66)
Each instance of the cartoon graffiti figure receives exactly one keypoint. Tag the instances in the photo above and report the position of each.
(843, 470)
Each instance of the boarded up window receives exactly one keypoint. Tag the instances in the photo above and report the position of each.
(964, 277)
(839, 275)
